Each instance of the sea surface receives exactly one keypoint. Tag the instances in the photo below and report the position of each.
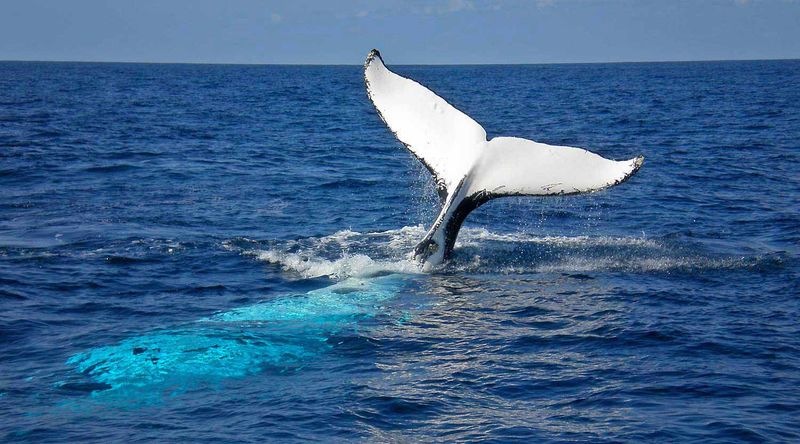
(219, 253)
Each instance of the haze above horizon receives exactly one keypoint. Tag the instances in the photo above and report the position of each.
(410, 32)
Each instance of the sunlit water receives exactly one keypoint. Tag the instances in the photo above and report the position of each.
(220, 253)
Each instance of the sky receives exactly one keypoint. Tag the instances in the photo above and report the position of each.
(406, 32)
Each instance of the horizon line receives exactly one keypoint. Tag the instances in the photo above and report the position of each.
(397, 64)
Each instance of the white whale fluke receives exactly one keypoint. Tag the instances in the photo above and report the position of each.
(470, 170)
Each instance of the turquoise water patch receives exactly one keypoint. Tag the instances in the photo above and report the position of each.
(278, 334)
(338, 303)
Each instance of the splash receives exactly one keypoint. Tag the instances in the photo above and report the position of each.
(352, 254)
(358, 265)
(340, 255)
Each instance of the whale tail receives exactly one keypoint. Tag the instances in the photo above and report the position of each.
(469, 169)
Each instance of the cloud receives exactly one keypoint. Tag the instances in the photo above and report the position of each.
(444, 7)
(460, 5)
(423, 7)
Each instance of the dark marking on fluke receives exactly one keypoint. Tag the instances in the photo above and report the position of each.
(372, 54)
(441, 189)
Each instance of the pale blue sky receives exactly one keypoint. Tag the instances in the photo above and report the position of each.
(435, 31)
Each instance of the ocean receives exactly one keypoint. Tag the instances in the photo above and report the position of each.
(219, 253)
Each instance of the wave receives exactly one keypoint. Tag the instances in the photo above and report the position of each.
(113, 168)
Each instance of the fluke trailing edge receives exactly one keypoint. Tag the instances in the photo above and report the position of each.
(470, 170)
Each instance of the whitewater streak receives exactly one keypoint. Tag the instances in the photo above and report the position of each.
(351, 254)
(471, 170)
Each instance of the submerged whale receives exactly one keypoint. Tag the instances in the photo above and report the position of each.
(279, 334)
(469, 169)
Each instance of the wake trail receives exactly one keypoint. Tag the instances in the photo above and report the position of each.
(348, 253)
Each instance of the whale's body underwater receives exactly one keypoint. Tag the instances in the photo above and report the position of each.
(469, 169)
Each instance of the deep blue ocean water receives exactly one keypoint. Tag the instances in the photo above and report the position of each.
(214, 253)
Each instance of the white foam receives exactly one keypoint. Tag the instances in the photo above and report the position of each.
(356, 265)
(629, 265)
(348, 253)
(471, 236)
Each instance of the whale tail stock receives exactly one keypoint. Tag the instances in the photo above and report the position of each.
(469, 169)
